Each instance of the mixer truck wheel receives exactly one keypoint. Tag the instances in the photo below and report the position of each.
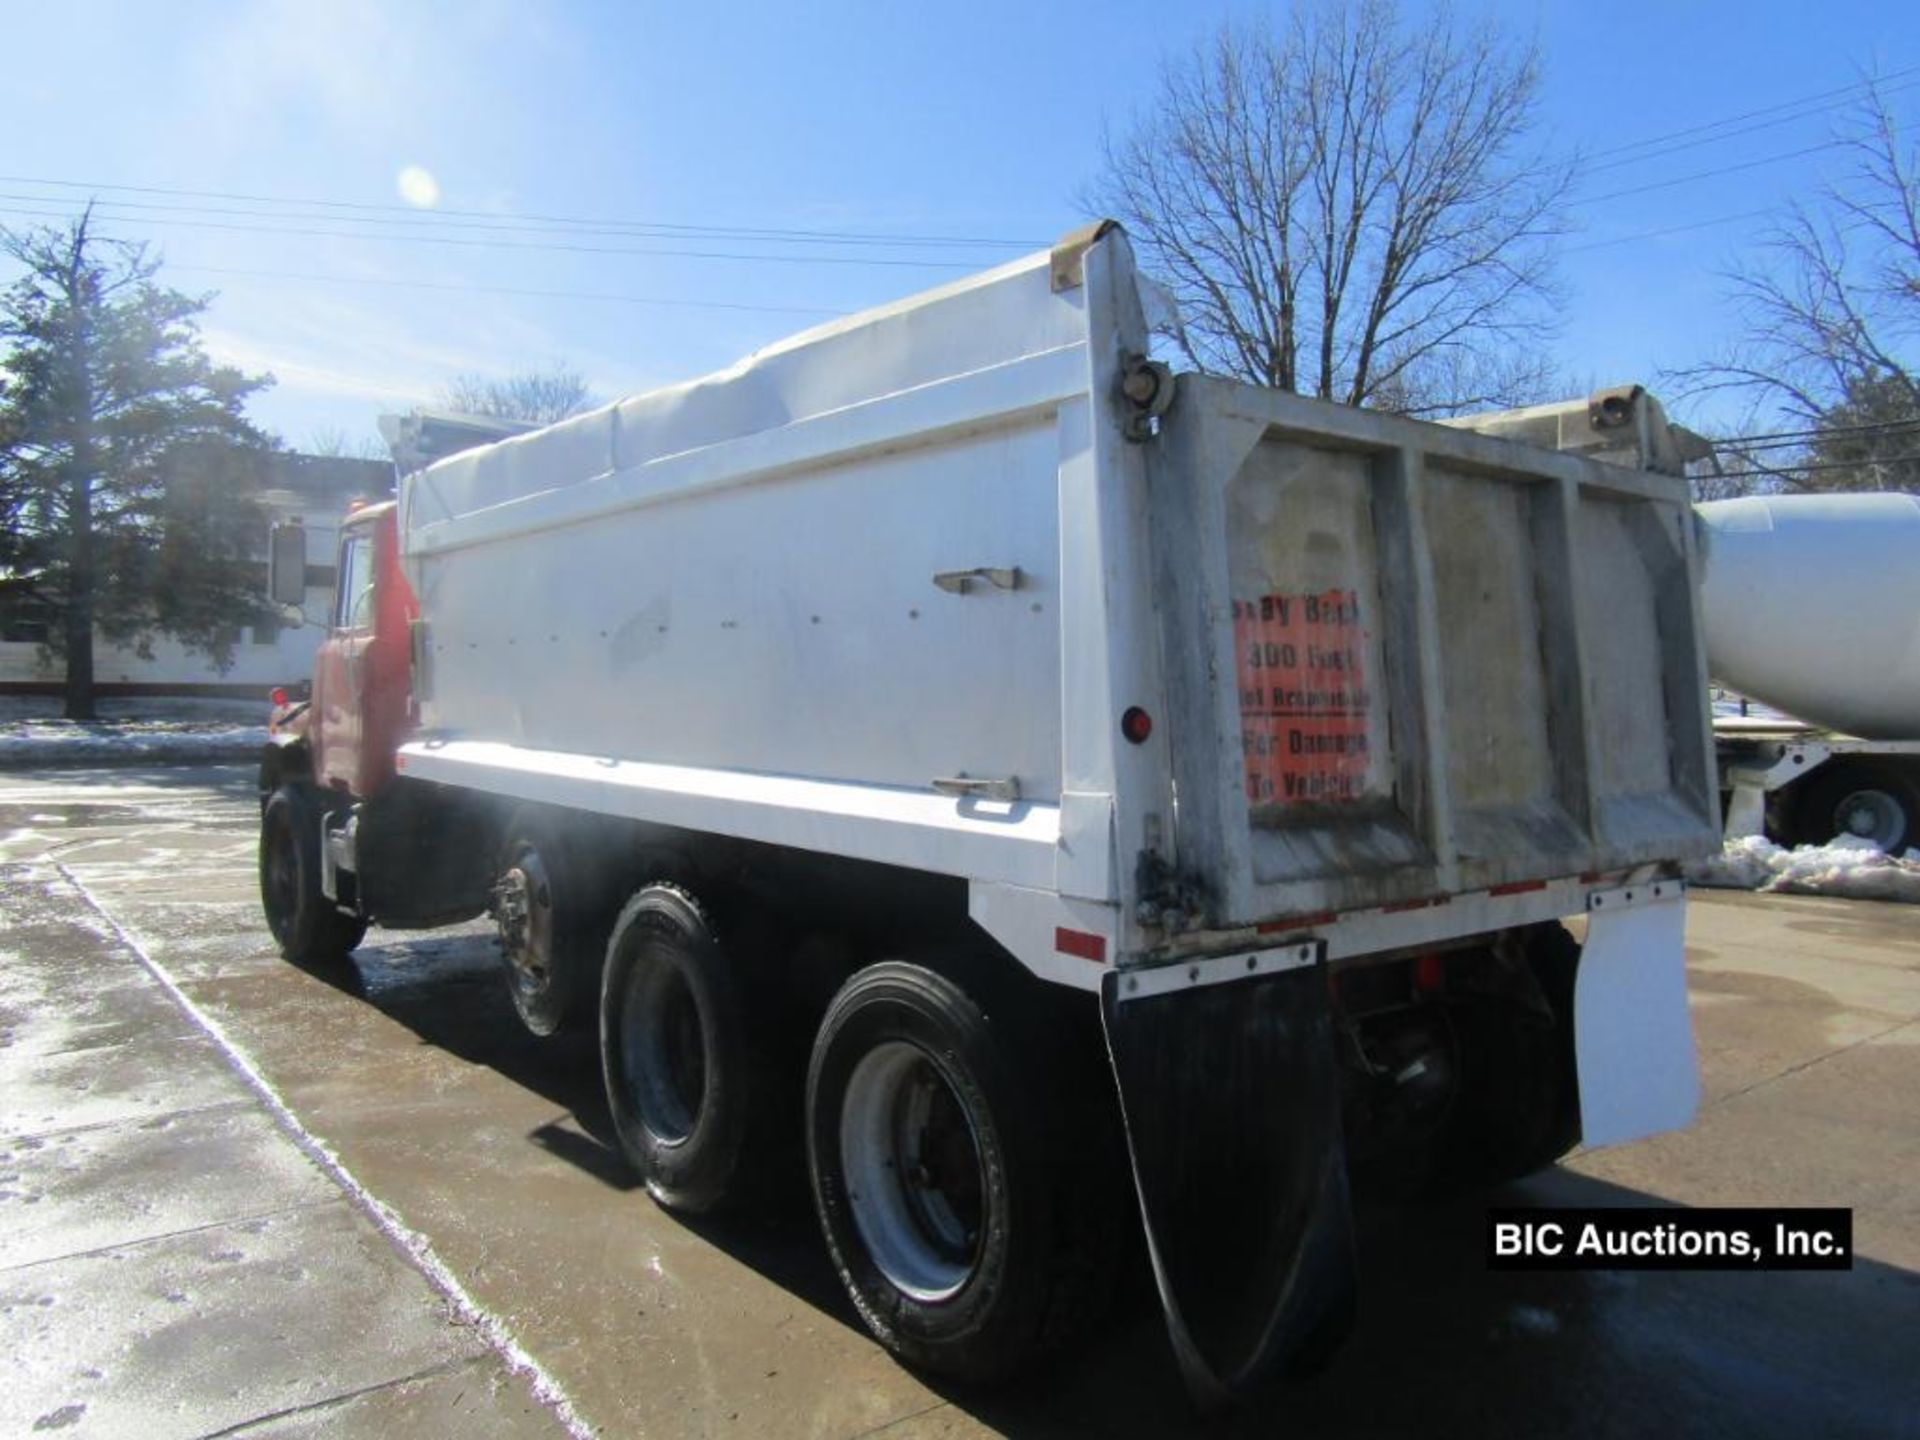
(960, 1206)
(1877, 802)
(687, 1075)
(553, 909)
(308, 927)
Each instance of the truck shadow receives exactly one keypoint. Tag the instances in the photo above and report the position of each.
(1443, 1346)
(447, 989)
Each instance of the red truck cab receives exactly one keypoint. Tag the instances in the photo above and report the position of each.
(362, 704)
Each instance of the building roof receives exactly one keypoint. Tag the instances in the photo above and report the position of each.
(329, 477)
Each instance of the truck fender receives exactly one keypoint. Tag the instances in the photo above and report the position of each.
(1230, 1096)
(284, 760)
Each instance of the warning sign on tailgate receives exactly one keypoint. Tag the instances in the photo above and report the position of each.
(1304, 701)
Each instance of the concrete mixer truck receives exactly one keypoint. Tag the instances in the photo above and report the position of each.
(1810, 605)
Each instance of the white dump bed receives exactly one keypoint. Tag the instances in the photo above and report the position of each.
(887, 589)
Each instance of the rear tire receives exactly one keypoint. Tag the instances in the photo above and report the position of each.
(308, 927)
(687, 1080)
(553, 910)
(969, 1219)
(1875, 801)
(1518, 1107)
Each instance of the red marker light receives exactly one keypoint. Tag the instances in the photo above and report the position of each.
(279, 696)
(1429, 974)
(1136, 725)
(1082, 943)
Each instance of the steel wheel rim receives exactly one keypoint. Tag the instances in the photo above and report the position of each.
(528, 942)
(1871, 815)
(663, 1051)
(910, 1152)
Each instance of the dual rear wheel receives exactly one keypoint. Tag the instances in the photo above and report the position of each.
(552, 904)
(941, 1174)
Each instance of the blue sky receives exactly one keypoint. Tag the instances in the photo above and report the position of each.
(979, 122)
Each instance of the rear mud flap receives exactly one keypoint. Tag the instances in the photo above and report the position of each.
(1232, 1111)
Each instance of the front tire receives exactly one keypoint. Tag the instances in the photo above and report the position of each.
(947, 1197)
(308, 927)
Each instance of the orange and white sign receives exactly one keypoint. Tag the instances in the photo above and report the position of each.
(1305, 705)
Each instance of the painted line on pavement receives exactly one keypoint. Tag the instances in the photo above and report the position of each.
(411, 1244)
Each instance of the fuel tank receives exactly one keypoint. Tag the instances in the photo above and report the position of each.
(1811, 603)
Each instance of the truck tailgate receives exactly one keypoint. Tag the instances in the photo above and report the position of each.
(1408, 661)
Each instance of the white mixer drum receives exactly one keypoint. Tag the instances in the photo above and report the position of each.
(1811, 603)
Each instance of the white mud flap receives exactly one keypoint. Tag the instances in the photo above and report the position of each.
(1633, 1037)
(1232, 1111)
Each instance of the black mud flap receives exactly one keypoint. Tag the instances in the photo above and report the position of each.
(1233, 1118)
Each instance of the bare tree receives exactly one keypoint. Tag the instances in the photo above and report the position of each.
(1348, 207)
(541, 396)
(1829, 361)
(333, 443)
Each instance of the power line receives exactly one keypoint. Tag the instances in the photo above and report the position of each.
(515, 244)
(490, 223)
(1846, 94)
(1822, 430)
(596, 295)
(1748, 446)
(637, 226)
(419, 219)
(1657, 145)
(1669, 230)
(1826, 465)
(1706, 174)
(1848, 90)
(512, 226)
(1782, 439)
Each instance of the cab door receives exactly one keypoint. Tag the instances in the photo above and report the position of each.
(340, 665)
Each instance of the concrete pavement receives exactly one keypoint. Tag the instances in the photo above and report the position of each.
(493, 1149)
(177, 1255)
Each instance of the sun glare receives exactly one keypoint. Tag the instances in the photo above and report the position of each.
(418, 187)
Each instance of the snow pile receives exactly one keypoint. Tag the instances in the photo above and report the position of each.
(38, 741)
(1848, 866)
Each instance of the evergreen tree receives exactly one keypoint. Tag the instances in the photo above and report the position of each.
(127, 469)
(1870, 440)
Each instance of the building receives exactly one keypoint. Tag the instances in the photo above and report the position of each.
(315, 490)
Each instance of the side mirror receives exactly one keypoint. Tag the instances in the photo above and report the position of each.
(287, 565)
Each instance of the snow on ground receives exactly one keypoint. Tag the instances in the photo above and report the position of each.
(129, 732)
(236, 709)
(1848, 866)
(1727, 706)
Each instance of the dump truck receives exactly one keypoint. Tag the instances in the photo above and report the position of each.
(1073, 809)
